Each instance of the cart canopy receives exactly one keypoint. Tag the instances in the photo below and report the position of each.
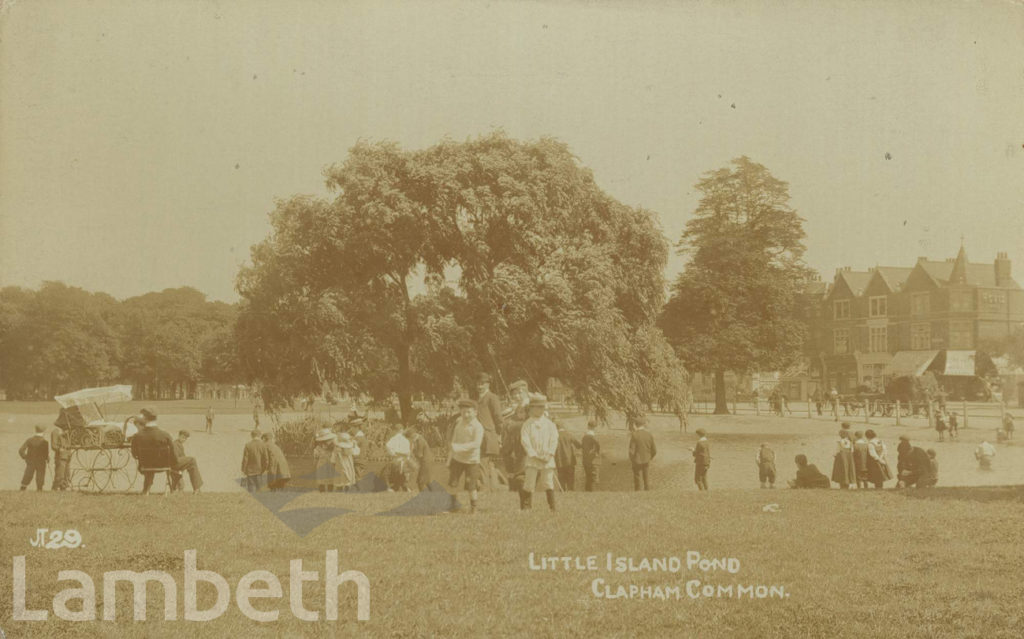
(97, 396)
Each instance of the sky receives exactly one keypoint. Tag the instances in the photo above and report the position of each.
(143, 144)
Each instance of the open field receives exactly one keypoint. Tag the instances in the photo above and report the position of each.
(734, 440)
(850, 564)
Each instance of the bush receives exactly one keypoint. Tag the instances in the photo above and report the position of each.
(296, 437)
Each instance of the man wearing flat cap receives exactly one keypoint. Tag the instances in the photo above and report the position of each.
(488, 412)
(464, 460)
(641, 451)
(152, 446)
(512, 443)
(701, 459)
(255, 461)
(540, 442)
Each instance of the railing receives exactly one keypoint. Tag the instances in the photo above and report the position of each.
(969, 414)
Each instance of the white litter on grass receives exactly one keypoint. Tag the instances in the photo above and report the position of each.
(770, 508)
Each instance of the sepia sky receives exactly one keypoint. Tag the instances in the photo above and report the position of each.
(142, 144)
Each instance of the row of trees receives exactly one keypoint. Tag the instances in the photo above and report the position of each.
(427, 267)
(497, 255)
(59, 338)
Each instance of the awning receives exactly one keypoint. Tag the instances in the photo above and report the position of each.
(795, 371)
(967, 364)
(100, 396)
(912, 363)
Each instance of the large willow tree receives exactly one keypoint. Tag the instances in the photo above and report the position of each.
(430, 266)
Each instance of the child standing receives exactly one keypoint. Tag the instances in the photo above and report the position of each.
(766, 466)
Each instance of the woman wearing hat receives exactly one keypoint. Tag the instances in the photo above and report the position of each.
(323, 452)
(342, 459)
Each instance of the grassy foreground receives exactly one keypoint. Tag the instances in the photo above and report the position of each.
(853, 564)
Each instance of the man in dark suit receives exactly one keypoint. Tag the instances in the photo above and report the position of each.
(488, 413)
(701, 459)
(591, 456)
(152, 446)
(255, 461)
(641, 451)
(60, 444)
(184, 464)
(35, 451)
(565, 458)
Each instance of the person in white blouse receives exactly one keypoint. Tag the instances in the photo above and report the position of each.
(540, 441)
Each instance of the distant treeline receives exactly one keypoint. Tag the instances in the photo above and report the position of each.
(60, 338)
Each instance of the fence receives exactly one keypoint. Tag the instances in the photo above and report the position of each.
(980, 415)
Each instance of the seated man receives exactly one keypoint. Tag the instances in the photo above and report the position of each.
(184, 464)
(152, 447)
(918, 470)
(808, 475)
(399, 467)
(984, 453)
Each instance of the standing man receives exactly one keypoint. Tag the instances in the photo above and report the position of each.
(420, 455)
(152, 446)
(60, 442)
(256, 415)
(209, 420)
(464, 462)
(512, 444)
(255, 461)
(833, 401)
(701, 460)
(184, 463)
(816, 398)
(540, 442)
(488, 412)
(565, 458)
(278, 473)
(591, 456)
(641, 451)
(36, 452)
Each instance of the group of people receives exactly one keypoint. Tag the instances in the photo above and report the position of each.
(860, 459)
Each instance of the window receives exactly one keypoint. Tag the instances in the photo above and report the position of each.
(877, 306)
(920, 303)
(920, 336)
(877, 342)
(842, 340)
(841, 309)
(961, 300)
(961, 335)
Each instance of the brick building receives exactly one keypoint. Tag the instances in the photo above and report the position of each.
(890, 321)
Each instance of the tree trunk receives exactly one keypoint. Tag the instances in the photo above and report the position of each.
(404, 383)
(721, 406)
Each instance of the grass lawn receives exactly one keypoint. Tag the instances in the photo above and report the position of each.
(853, 564)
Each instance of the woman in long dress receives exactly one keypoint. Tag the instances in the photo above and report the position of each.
(860, 459)
(344, 462)
(878, 461)
(323, 452)
(843, 471)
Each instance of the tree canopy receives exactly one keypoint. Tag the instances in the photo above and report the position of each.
(732, 308)
(430, 266)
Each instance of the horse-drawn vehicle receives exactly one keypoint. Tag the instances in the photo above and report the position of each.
(101, 458)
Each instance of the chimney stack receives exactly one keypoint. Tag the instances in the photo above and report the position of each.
(1002, 266)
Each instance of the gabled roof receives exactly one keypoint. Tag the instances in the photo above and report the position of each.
(983, 275)
(894, 276)
(856, 281)
(817, 287)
